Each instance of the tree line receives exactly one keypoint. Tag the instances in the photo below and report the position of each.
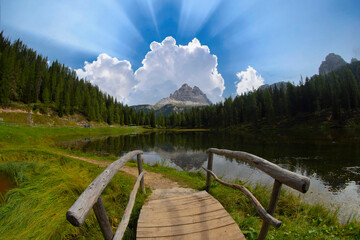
(336, 94)
(27, 77)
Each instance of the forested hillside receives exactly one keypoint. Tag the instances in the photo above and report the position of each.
(335, 95)
(27, 77)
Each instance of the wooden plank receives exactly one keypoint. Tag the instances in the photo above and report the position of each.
(181, 213)
(172, 206)
(184, 201)
(230, 232)
(182, 220)
(172, 218)
(293, 180)
(184, 196)
(259, 208)
(78, 212)
(180, 224)
(184, 229)
(148, 217)
(126, 217)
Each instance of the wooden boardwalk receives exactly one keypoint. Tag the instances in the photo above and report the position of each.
(188, 216)
(177, 213)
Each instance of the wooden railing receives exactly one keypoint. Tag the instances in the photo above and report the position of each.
(91, 198)
(281, 176)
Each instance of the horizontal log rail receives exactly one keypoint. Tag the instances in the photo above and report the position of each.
(281, 176)
(91, 197)
(259, 208)
(291, 179)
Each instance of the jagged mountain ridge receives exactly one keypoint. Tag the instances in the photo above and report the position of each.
(183, 98)
(278, 85)
(186, 96)
(331, 63)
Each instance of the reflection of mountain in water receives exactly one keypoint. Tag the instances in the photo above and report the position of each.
(330, 156)
(187, 160)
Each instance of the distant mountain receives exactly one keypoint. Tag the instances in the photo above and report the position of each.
(183, 98)
(144, 107)
(331, 63)
(278, 85)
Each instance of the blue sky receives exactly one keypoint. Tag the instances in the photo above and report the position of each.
(279, 40)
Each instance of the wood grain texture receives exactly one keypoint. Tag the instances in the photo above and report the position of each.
(291, 179)
(140, 168)
(210, 166)
(259, 208)
(103, 219)
(271, 209)
(78, 212)
(126, 217)
(193, 216)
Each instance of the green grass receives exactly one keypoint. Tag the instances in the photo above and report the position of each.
(47, 185)
(38, 119)
(300, 220)
(17, 112)
(16, 135)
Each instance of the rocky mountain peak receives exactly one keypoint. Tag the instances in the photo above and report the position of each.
(186, 95)
(331, 63)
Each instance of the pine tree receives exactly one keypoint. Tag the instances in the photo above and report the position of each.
(7, 72)
(46, 96)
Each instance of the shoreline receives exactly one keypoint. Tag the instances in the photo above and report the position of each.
(41, 159)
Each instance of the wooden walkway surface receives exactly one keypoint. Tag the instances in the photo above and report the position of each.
(189, 216)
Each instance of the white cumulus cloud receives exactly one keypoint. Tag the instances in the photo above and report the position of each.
(113, 76)
(168, 66)
(249, 80)
(165, 68)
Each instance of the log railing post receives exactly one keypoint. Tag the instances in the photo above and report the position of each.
(140, 168)
(271, 210)
(210, 165)
(103, 219)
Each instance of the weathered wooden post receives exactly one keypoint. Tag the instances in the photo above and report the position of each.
(126, 217)
(140, 168)
(103, 219)
(271, 210)
(210, 165)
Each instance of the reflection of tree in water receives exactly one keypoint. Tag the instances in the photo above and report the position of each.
(322, 154)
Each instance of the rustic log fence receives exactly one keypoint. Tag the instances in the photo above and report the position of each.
(91, 198)
(281, 176)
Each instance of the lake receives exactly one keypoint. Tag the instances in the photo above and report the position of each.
(331, 159)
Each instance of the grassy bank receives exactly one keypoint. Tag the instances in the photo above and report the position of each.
(300, 220)
(40, 136)
(47, 185)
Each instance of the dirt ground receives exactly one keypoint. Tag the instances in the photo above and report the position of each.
(160, 186)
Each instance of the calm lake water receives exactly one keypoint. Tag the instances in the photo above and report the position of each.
(5, 185)
(330, 159)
